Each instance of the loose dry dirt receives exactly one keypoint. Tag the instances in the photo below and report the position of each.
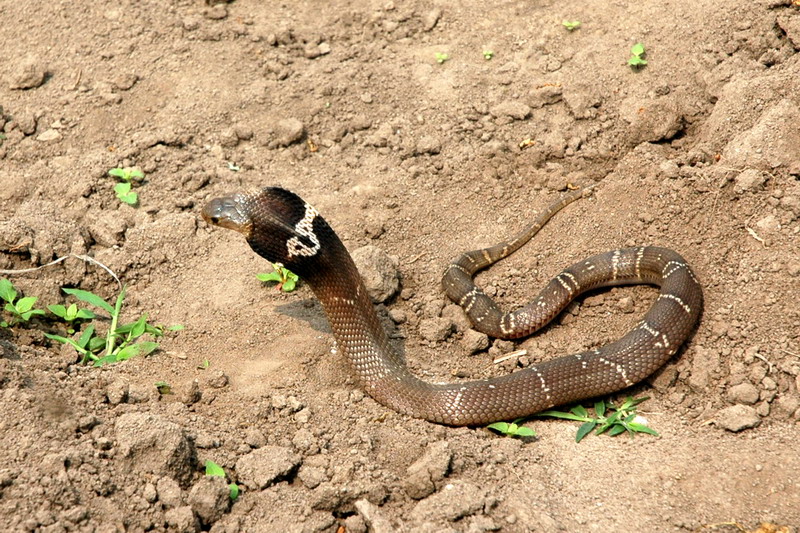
(345, 103)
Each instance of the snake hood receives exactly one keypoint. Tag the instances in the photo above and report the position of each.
(278, 225)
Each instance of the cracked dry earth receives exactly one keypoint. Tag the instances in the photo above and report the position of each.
(345, 103)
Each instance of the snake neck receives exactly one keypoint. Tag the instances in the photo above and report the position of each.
(359, 334)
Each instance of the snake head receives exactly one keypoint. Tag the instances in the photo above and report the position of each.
(229, 212)
(277, 224)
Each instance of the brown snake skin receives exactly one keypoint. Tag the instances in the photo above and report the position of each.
(281, 227)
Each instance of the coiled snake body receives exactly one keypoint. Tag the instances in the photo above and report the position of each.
(284, 229)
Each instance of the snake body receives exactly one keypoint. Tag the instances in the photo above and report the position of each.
(284, 229)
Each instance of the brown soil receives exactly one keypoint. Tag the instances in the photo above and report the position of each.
(345, 103)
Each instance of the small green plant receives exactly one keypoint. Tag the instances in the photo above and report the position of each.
(214, 470)
(121, 342)
(286, 279)
(163, 387)
(72, 315)
(126, 176)
(512, 429)
(637, 56)
(2, 138)
(571, 25)
(441, 57)
(204, 365)
(488, 54)
(21, 309)
(623, 418)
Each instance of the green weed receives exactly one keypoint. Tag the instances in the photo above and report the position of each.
(121, 341)
(622, 419)
(512, 429)
(72, 315)
(441, 57)
(637, 56)
(21, 310)
(214, 470)
(286, 279)
(571, 25)
(127, 176)
(488, 54)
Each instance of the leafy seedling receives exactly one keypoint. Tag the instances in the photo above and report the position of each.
(121, 342)
(623, 418)
(286, 279)
(21, 309)
(571, 25)
(441, 57)
(512, 429)
(72, 315)
(488, 54)
(204, 365)
(163, 387)
(127, 176)
(637, 56)
(214, 470)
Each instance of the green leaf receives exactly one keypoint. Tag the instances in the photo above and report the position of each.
(131, 198)
(24, 305)
(58, 310)
(28, 314)
(561, 414)
(571, 25)
(522, 431)
(86, 336)
(637, 61)
(269, 276)
(10, 308)
(116, 172)
(137, 329)
(84, 314)
(600, 408)
(616, 430)
(176, 327)
(584, 430)
(213, 469)
(641, 428)
(147, 347)
(96, 344)
(135, 173)
(90, 298)
(580, 411)
(65, 340)
(289, 285)
(637, 49)
(131, 350)
(234, 488)
(204, 365)
(103, 360)
(7, 291)
(163, 387)
(122, 188)
(502, 427)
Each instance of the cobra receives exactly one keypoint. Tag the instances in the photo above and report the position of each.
(282, 228)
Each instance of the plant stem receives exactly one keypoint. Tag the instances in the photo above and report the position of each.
(111, 335)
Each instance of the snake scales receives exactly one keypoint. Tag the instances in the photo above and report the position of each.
(283, 228)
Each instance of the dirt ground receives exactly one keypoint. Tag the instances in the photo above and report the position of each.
(346, 104)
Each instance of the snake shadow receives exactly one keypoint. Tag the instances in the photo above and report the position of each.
(310, 311)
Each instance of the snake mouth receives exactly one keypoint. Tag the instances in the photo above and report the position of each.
(229, 212)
